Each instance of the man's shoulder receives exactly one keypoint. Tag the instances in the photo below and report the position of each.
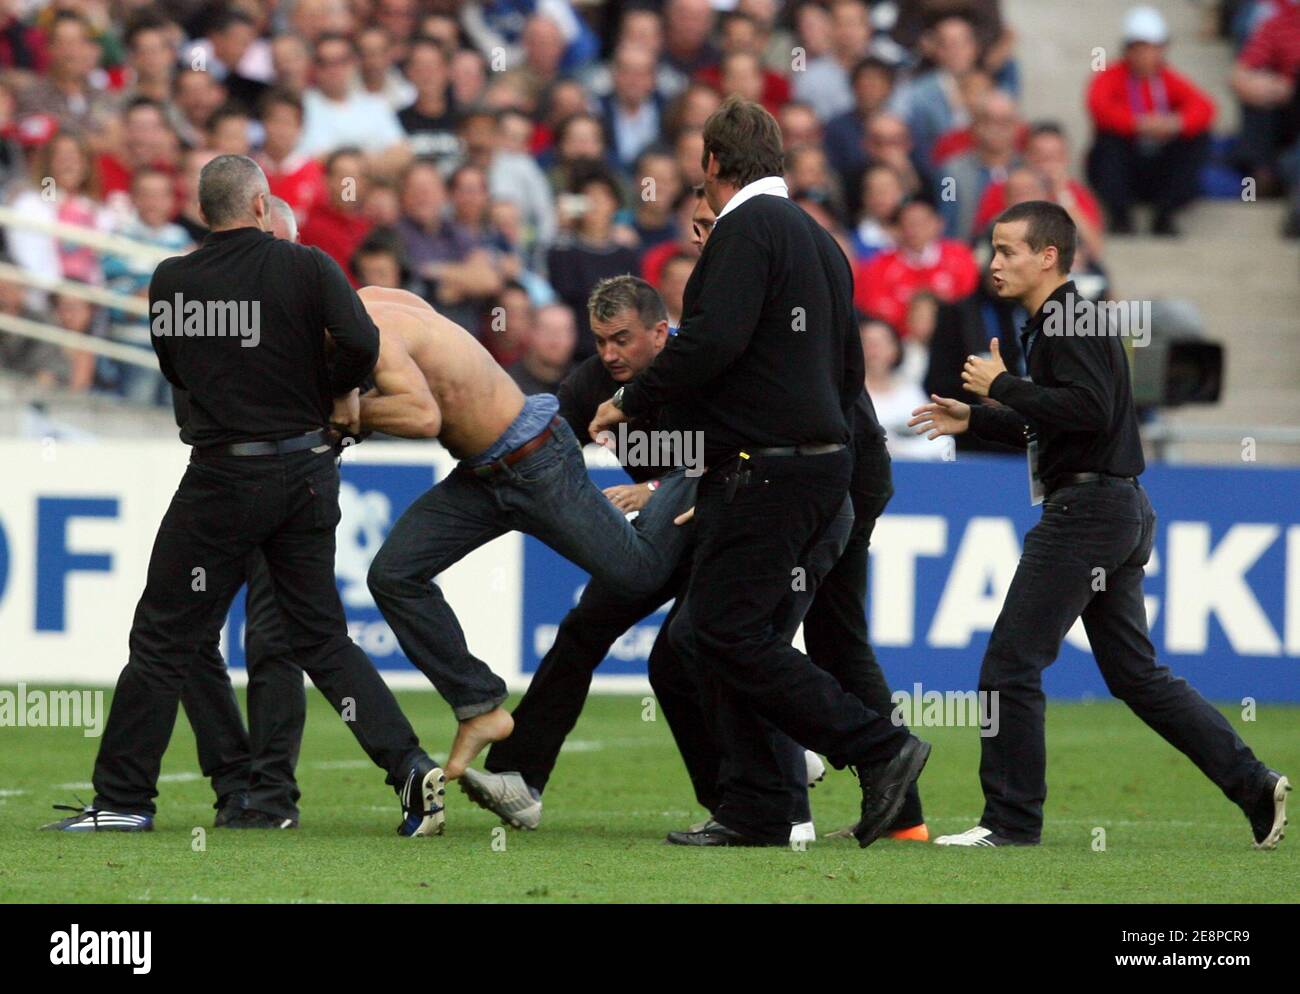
(587, 376)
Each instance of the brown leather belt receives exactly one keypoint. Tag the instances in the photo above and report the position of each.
(489, 469)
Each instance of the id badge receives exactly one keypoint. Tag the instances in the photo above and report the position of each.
(1036, 493)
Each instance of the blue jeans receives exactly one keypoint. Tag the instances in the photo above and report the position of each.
(548, 495)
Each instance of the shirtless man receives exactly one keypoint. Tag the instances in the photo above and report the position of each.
(521, 469)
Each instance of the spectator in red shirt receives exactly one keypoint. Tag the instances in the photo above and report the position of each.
(1048, 153)
(147, 140)
(298, 180)
(1264, 80)
(336, 223)
(1152, 129)
(741, 34)
(922, 261)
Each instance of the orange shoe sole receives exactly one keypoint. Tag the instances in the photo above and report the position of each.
(917, 833)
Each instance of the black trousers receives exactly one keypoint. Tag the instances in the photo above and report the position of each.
(550, 708)
(1168, 177)
(835, 629)
(258, 762)
(1085, 531)
(751, 540)
(224, 508)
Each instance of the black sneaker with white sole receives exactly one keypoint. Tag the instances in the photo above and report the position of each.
(422, 794)
(1267, 813)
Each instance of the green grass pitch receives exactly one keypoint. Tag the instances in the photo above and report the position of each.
(1169, 836)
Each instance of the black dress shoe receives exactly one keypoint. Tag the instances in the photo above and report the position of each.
(254, 819)
(229, 808)
(714, 833)
(884, 788)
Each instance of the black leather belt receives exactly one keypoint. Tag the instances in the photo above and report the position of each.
(278, 448)
(816, 449)
(1076, 479)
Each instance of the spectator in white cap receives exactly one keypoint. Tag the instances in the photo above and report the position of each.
(1152, 129)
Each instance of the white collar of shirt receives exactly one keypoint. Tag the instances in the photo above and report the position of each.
(773, 185)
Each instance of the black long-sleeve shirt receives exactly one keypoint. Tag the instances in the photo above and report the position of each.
(285, 297)
(768, 351)
(1077, 400)
(584, 390)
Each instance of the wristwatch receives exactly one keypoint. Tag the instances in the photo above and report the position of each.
(617, 399)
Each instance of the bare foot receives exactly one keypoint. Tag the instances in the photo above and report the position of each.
(475, 733)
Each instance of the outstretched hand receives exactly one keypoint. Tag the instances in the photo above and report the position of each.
(942, 416)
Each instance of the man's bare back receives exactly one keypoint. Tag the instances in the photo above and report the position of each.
(433, 379)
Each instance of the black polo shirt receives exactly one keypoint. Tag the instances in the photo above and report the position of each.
(283, 297)
(1076, 399)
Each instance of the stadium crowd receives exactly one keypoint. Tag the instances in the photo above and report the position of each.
(499, 158)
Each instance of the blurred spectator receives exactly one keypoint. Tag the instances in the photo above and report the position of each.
(882, 195)
(799, 125)
(41, 362)
(807, 169)
(293, 177)
(151, 58)
(918, 336)
(930, 103)
(192, 162)
(579, 141)
(923, 260)
(21, 45)
(379, 75)
(992, 155)
(657, 187)
(548, 356)
(872, 82)
(586, 252)
(379, 261)
(1048, 153)
(65, 90)
(382, 204)
(229, 51)
(543, 50)
(148, 141)
(196, 95)
(64, 187)
(336, 114)
(743, 35)
(642, 28)
(676, 271)
(510, 175)
(689, 153)
(894, 397)
(291, 59)
(335, 223)
(824, 82)
(430, 119)
(468, 75)
(83, 318)
(994, 37)
(228, 130)
(1265, 80)
(688, 30)
(1152, 129)
(889, 143)
(692, 107)
(152, 202)
(632, 112)
(687, 212)
(510, 325)
(497, 25)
